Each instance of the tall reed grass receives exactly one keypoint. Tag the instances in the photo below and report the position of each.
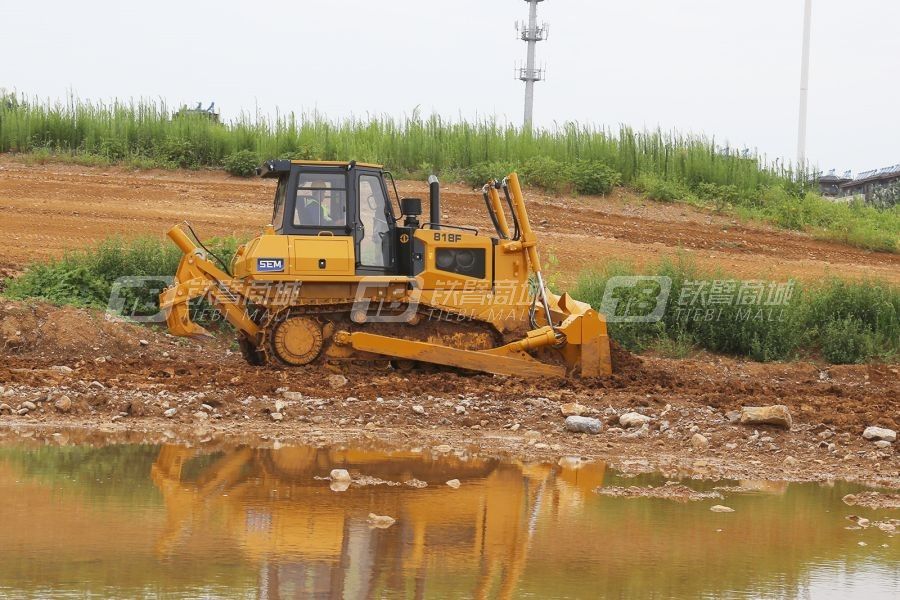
(146, 129)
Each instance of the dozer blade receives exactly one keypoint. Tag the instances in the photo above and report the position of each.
(475, 360)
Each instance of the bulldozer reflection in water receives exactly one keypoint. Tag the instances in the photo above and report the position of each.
(308, 540)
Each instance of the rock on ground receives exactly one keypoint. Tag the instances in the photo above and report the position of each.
(777, 414)
(577, 424)
(880, 433)
(337, 381)
(340, 475)
(699, 442)
(454, 483)
(633, 419)
(63, 404)
(572, 409)
(721, 509)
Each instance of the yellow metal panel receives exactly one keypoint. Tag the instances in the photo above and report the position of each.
(434, 278)
(333, 163)
(308, 251)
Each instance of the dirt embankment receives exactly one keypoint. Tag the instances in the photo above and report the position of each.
(122, 377)
(50, 208)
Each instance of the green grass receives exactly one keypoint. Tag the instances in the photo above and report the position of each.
(836, 320)
(666, 166)
(86, 277)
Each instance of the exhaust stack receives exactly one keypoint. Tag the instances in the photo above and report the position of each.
(434, 191)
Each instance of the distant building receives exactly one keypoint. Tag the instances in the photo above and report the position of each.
(830, 185)
(869, 182)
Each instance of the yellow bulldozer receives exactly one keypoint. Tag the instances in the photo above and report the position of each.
(339, 275)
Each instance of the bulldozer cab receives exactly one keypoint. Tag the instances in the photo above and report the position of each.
(341, 199)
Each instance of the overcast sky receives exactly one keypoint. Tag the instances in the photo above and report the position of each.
(726, 68)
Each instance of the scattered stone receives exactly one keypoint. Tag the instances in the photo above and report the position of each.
(454, 483)
(882, 444)
(370, 426)
(577, 424)
(721, 509)
(340, 475)
(144, 342)
(572, 409)
(633, 419)
(532, 434)
(207, 407)
(277, 416)
(22, 412)
(29, 405)
(733, 416)
(5, 408)
(730, 446)
(200, 415)
(61, 369)
(337, 380)
(416, 483)
(791, 462)
(293, 396)
(443, 448)
(672, 490)
(171, 412)
(640, 432)
(381, 521)
(515, 427)
(280, 405)
(873, 500)
(460, 409)
(339, 486)
(777, 415)
(699, 442)
(63, 404)
(880, 433)
(418, 409)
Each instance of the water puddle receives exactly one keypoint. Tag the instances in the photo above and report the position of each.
(139, 520)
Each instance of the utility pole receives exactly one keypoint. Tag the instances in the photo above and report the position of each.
(804, 87)
(531, 34)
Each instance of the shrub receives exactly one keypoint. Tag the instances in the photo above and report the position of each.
(721, 196)
(113, 149)
(545, 173)
(593, 177)
(481, 173)
(846, 341)
(663, 190)
(180, 152)
(242, 163)
(86, 277)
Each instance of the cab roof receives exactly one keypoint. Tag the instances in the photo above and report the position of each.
(276, 168)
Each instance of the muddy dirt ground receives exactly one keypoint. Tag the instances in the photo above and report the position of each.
(54, 207)
(77, 369)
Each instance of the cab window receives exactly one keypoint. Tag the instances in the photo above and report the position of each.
(374, 246)
(321, 200)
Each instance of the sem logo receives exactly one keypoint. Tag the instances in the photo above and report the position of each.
(270, 265)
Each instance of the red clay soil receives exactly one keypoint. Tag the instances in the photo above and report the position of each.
(50, 208)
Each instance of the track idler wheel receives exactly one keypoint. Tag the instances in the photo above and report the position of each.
(297, 340)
